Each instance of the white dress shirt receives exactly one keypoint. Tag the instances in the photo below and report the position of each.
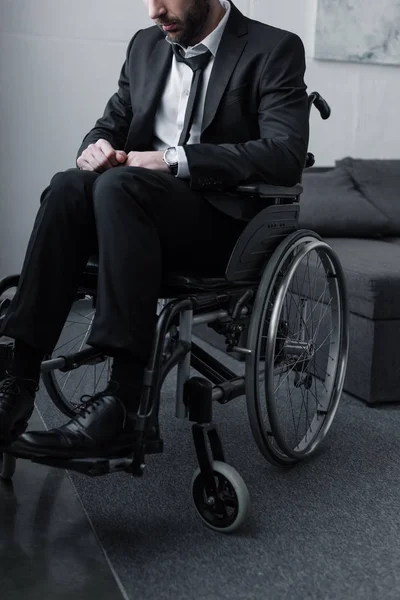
(170, 114)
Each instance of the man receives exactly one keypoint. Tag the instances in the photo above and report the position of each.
(148, 195)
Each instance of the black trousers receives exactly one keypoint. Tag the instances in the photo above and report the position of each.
(141, 223)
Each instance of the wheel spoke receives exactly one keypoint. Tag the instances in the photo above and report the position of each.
(65, 387)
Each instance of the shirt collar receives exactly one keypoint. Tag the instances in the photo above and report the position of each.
(212, 41)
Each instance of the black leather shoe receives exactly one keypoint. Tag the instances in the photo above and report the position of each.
(101, 427)
(17, 397)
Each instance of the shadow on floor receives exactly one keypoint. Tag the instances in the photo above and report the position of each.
(47, 546)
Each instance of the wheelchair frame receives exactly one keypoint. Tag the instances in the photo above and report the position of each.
(190, 301)
(194, 301)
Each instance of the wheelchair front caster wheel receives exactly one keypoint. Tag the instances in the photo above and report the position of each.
(7, 466)
(225, 505)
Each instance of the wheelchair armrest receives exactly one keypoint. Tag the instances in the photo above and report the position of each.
(270, 191)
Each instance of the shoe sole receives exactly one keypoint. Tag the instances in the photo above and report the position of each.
(52, 455)
(117, 451)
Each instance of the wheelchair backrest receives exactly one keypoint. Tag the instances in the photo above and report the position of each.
(276, 221)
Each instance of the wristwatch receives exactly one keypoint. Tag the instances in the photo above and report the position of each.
(171, 160)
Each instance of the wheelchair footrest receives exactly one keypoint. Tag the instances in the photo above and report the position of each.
(95, 466)
(87, 466)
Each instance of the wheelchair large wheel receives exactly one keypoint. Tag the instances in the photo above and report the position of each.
(8, 288)
(66, 388)
(298, 337)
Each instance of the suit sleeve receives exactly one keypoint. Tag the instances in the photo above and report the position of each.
(278, 157)
(114, 125)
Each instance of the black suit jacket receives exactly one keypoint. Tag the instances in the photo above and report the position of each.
(255, 125)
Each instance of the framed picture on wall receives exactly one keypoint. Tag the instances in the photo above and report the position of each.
(365, 31)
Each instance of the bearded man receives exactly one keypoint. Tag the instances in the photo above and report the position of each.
(207, 99)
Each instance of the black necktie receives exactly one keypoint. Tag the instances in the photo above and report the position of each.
(197, 64)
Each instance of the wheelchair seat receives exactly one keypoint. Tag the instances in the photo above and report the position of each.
(255, 245)
(192, 282)
(173, 282)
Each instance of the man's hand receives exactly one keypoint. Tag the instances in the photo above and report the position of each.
(100, 157)
(147, 160)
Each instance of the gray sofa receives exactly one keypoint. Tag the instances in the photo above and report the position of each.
(355, 207)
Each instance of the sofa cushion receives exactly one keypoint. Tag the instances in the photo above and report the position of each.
(331, 205)
(379, 182)
(372, 269)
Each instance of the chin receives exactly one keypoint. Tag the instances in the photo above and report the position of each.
(177, 38)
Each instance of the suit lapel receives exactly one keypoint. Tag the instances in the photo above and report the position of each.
(233, 41)
(157, 70)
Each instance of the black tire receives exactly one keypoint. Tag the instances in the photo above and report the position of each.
(8, 287)
(229, 508)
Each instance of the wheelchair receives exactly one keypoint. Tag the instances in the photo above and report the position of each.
(281, 306)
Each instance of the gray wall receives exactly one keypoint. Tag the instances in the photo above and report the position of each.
(59, 63)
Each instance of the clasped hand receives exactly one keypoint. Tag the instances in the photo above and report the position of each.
(101, 156)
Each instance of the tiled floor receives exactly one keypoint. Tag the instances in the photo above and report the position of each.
(48, 550)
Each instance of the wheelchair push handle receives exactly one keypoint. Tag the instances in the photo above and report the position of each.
(266, 190)
(321, 104)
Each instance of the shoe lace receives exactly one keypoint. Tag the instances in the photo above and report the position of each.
(89, 405)
(11, 385)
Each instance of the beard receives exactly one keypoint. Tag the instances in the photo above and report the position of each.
(192, 24)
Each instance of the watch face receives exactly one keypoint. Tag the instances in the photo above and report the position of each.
(171, 156)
